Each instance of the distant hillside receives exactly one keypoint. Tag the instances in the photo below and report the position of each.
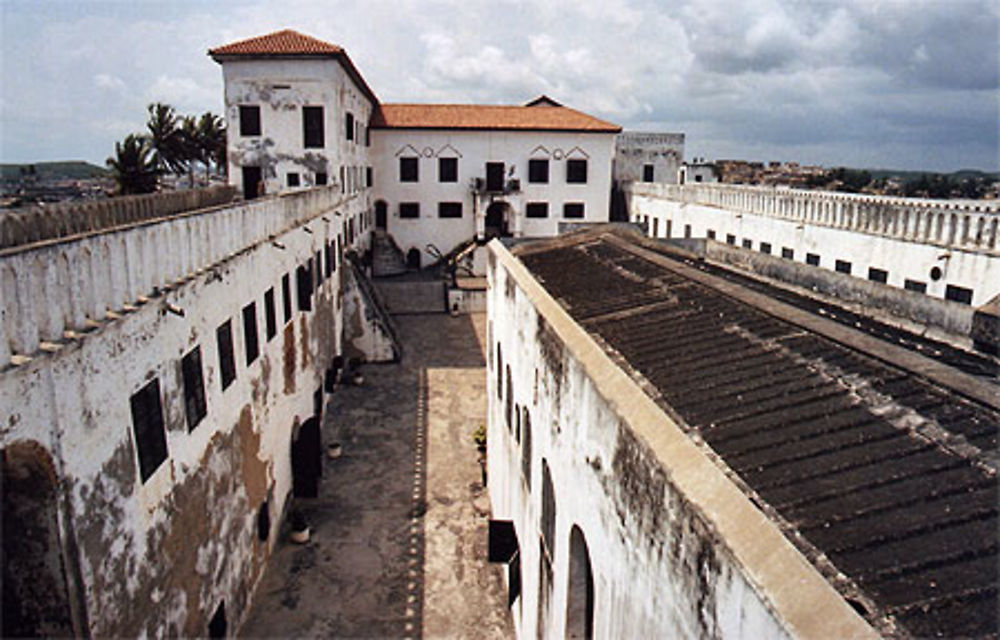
(964, 174)
(67, 170)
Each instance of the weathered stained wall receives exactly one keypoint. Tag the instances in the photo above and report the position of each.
(676, 549)
(908, 238)
(634, 150)
(156, 558)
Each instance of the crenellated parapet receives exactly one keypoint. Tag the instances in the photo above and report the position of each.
(968, 225)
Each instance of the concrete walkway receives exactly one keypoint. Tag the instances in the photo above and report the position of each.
(398, 544)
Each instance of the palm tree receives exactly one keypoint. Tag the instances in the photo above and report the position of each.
(189, 140)
(165, 139)
(212, 140)
(135, 171)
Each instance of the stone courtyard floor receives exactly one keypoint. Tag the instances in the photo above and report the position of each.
(398, 545)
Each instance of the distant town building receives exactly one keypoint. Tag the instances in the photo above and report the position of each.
(697, 171)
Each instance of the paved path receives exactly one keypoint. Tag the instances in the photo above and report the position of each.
(398, 544)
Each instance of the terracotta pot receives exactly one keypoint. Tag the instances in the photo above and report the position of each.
(299, 537)
(334, 450)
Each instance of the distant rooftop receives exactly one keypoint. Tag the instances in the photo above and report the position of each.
(541, 114)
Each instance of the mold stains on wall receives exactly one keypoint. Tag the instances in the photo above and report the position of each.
(639, 486)
(552, 353)
(288, 361)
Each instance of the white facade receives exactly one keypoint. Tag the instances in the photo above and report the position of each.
(691, 173)
(280, 88)
(917, 243)
(473, 149)
(648, 157)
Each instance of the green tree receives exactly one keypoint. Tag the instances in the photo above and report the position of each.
(212, 141)
(165, 138)
(134, 170)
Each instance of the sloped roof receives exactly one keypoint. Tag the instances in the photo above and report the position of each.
(538, 115)
(292, 44)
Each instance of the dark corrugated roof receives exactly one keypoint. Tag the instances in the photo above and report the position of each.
(885, 475)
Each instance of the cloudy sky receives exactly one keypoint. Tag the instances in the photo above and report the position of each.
(910, 84)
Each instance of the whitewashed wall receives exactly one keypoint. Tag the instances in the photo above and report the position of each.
(634, 150)
(473, 150)
(906, 237)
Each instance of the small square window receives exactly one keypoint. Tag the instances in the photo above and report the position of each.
(249, 120)
(647, 173)
(321, 179)
(147, 425)
(194, 388)
(408, 170)
(787, 253)
(915, 285)
(730, 239)
(842, 266)
(878, 275)
(449, 209)
(409, 209)
(573, 210)
(270, 318)
(812, 259)
(250, 332)
(293, 180)
(447, 169)
(368, 177)
(538, 170)
(765, 247)
(710, 234)
(958, 294)
(576, 171)
(537, 210)
(747, 243)
(227, 363)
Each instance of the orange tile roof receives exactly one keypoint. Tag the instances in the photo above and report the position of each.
(286, 42)
(536, 116)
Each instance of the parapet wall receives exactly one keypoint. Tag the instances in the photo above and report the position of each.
(37, 224)
(959, 225)
(51, 291)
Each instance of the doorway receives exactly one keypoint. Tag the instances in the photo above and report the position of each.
(307, 461)
(497, 220)
(252, 177)
(381, 217)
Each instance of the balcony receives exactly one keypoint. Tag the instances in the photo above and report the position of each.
(482, 186)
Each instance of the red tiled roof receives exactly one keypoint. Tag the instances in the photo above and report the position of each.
(286, 42)
(537, 117)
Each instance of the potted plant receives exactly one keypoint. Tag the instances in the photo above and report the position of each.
(357, 379)
(334, 450)
(300, 528)
(479, 438)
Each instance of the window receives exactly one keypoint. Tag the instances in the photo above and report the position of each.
(843, 266)
(538, 171)
(958, 294)
(147, 424)
(368, 177)
(303, 283)
(449, 209)
(312, 127)
(316, 268)
(328, 259)
(249, 120)
(447, 169)
(270, 319)
(409, 209)
(647, 173)
(656, 227)
(494, 176)
(765, 247)
(321, 179)
(349, 125)
(710, 234)
(915, 285)
(343, 180)
(408, 170)
(878, 275)
(687, 231)
(250, 332)
(368, 137)
(194, 387)
(576, 171)
(787, 253)
(292, 180)
(813, 259)
(227, 363)
(526, 447)
(573, 210)
(286, 297)
(730, 239)
(537, 210)
(747, 243)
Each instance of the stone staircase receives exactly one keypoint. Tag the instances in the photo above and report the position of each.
(387, 257)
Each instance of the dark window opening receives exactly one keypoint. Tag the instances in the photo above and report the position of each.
(312, 127)
(526, 447)
(687, 231)
(303, 282)
(509, 402)
(915, 285)
(878, 275)
(958, 294)
(576, 171)
(253, 182)
(730, 239)
(328, 259)
(842, 266)
(264, 521)
(580, 589)
(270, 319)
(812, 259)
(573, 210)
(292, 179)
(194, 388)
(408, 170)
(447, 169)
(249, 120)
(147, 425)
(369, 181)
(647, 173)
(286, 297)
(765, 247)
(936, 273)
(710, 234)
(499, 373)
(548, 511)
(787, 253)
(409, 209)
(250, 332)
(494, 176)
(656, 227)
(321, 179)
(217, 626)
(449, 209)
(349, 125)
(537, 210)
(318, 269)
(227, 362)
(538, 171)
(747, 243)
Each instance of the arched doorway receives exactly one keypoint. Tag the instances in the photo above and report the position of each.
(580, 590)
(381, 215)
(307, 460)
(413, 258)
(497, 223)
(35, 592)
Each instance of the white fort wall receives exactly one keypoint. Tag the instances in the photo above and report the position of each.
(474, 149)
(675, 549)
(90, 321)
(905, 237)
